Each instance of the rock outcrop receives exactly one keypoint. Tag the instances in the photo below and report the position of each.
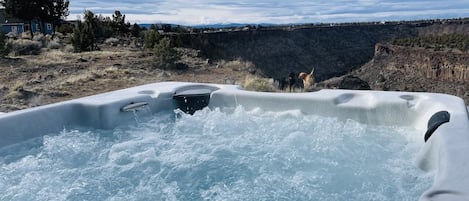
(436, 65)
(417, 69)
(354, 83)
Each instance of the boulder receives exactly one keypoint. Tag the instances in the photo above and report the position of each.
(353, 82)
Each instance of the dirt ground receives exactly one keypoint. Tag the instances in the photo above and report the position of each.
(54, 76)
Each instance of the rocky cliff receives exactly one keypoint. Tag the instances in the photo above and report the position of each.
(333, 51)
(400, 68)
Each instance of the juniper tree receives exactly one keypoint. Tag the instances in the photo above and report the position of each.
(166, 56)
(4, 49)
(151, 38)
(84, 37)
(136, 30)
(120, 27)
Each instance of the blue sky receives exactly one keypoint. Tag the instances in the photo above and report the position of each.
(198, 12)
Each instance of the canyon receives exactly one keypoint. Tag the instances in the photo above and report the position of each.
(364, 51)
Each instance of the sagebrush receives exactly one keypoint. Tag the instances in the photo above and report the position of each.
(254, 83)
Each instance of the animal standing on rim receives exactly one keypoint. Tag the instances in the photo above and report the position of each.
(308, 80)
(291, 81)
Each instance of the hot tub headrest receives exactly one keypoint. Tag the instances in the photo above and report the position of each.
(191, 100)
(436, 121)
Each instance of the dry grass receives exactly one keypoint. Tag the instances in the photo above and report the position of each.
(25, 46)
(15, 89)
(36, 101)
(55, 56)
(237, 64)
(57, 75)
(254, 83)
(54, 44)
(103, 54)
(50, 57)
(19, 84)
(94, 74)
(13, 95)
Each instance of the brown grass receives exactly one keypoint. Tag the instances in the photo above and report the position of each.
(254, 83)
(61, 57)
(57, 75)
(237, 64)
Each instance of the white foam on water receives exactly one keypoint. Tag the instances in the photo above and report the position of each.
(215, 155)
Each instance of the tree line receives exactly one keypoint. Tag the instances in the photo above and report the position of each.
(87, 33)
(95, 28)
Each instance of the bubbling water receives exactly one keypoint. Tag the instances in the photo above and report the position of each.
(215, 155)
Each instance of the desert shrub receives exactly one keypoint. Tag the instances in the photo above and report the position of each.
(112, 41)
(237, 64)
(151, 38)
(83, 38)
(166, 56)
(59, 35)
(65, 28)
(258, 84)
(12, 35)
(39, 37)
(26, 35)
(25, 47)
(68, 48)
(54, 44)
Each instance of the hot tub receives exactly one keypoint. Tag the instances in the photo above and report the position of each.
(441, 121)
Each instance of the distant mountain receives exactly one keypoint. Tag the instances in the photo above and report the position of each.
(230, 25)
(214, 26)
(145, 26)
(219, 26)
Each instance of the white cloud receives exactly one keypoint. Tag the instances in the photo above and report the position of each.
(273, 11)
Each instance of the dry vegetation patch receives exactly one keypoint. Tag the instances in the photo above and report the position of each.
(57, 75)
(255, 83)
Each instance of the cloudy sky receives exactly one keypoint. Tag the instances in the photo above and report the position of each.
(197, 12)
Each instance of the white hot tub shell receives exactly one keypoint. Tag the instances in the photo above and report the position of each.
(445, 150)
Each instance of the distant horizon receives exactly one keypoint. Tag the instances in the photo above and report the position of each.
(208, 12)
(306, 23)
(274, 24)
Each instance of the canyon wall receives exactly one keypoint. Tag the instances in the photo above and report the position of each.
(361, 51)
(332, 51)
(436, 65)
